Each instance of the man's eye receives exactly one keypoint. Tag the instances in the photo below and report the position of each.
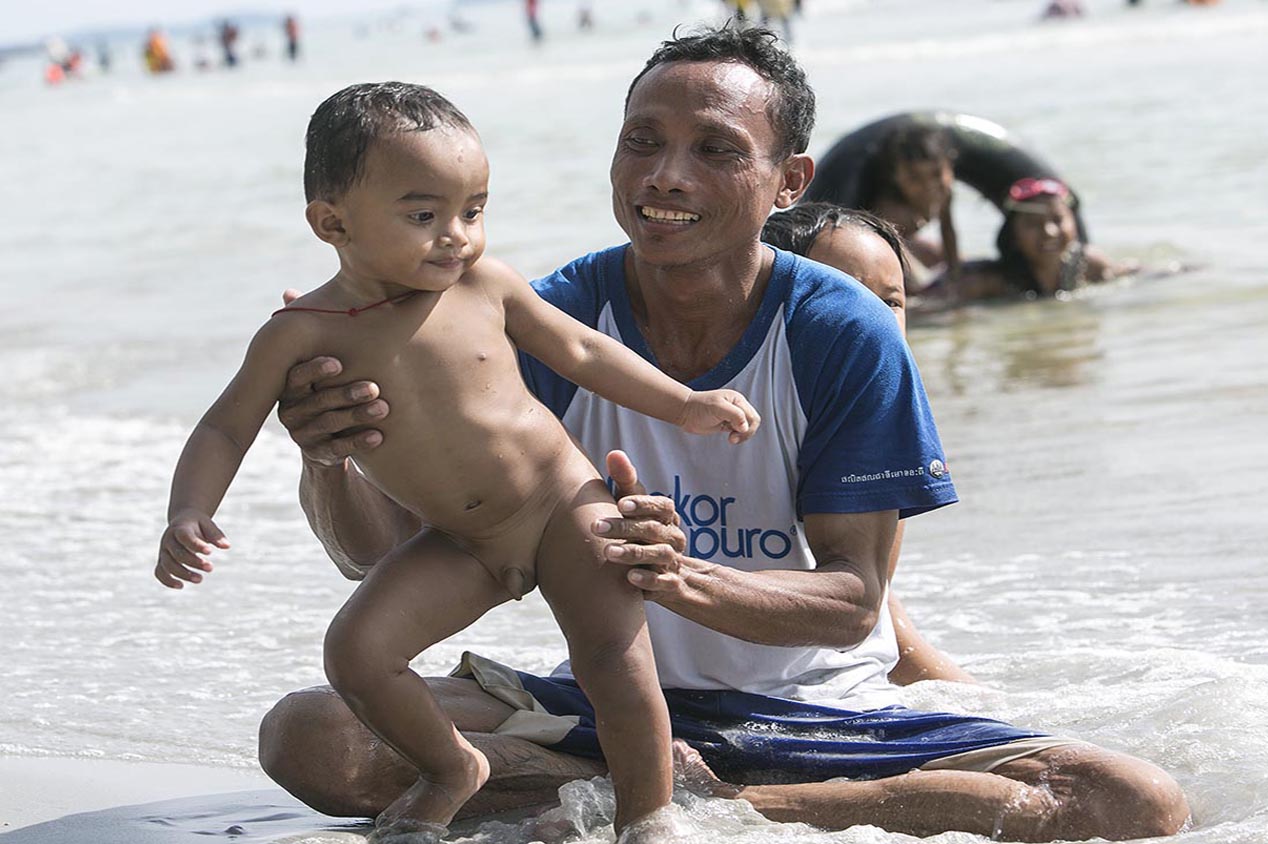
(639, 141)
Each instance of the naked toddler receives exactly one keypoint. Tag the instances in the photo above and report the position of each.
(397, 180)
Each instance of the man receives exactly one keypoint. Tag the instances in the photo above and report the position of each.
(766, 574)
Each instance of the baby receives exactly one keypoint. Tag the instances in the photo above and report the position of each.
(397, 180)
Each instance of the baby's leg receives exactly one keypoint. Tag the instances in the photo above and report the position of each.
(602, 617)
(422, 592)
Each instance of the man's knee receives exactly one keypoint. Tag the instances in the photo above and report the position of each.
(1105, 794)
(309, 744)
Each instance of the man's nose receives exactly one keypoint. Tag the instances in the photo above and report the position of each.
(670, 170)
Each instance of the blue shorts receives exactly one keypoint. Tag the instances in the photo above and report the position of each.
(750, 738)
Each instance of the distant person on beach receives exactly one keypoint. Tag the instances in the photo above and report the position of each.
(158, 59)
(534, 25)
(1063, 9)
(910, 184)
(290, 32)
(228, 36)
(765, 567)
(1040, 251)
(397, 180)
(870, 250)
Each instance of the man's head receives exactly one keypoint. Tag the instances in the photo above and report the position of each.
(858, 243)
(714, 136)
(397, 181)
(791, 107)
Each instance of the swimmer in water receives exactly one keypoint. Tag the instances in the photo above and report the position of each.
(397, 181)
(1040, 251)
(910, 184)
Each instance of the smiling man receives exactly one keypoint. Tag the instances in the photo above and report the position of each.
(765, 567)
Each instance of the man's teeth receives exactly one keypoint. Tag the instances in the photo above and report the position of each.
(662, 216)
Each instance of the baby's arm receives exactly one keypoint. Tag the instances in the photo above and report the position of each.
(213, 453)
(604, 366)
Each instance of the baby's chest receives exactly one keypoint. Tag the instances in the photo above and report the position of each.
(448, 345)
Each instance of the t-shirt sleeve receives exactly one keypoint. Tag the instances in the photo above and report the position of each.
(870, 441)
(574, 290)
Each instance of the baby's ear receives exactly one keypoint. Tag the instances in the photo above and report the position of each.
(326, 222)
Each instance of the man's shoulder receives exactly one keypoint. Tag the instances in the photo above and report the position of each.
(824, 305)
(582, 286)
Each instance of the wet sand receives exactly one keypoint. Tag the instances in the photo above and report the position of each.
(146, 803)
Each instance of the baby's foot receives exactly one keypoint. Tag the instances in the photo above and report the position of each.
(691, 772)
(663, 826)
(432, 801)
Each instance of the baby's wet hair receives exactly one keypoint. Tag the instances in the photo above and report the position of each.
(343, 127)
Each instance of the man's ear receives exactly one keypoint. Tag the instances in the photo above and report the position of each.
(326, 221)
(799, 169)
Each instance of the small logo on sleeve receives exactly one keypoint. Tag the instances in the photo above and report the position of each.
(936, 468)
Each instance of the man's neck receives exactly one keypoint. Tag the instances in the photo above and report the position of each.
(692, 316)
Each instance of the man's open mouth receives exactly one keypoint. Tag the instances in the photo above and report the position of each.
(662, 215)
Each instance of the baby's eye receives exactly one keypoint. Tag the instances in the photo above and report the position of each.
(474, 213)
(421, 216)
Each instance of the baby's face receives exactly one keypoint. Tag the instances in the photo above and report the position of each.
(416, 217)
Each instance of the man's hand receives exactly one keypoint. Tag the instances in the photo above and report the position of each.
(317, 414)
(184, 546)
(653, 539)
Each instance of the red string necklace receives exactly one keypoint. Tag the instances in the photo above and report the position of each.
(391, 300)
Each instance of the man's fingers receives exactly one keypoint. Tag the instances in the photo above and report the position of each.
(330, 411)
(289, 295)
(628, 554)
(643, 531)
(302, 376)
(332, 451)
(623, 474)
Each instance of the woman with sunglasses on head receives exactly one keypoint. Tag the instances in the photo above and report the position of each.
(1040, 252)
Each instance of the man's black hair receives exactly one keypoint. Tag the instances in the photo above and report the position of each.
(791, 110)
(343, 127)
(797, 228)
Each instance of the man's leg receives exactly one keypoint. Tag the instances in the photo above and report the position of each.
(1073, 792)
(313, 746)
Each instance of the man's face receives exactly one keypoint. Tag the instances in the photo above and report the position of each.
(694, 175)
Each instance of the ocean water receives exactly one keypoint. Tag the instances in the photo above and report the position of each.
(1103, 576)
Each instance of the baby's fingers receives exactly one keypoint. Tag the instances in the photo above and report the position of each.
(750, 419)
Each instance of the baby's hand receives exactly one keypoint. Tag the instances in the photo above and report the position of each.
(712, 411)
(189, 536)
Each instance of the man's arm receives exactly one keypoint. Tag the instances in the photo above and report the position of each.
(355, 522)
(836, 605)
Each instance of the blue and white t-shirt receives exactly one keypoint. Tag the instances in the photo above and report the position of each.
(846, 428)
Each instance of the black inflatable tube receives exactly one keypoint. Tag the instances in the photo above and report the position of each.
(988, 159)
